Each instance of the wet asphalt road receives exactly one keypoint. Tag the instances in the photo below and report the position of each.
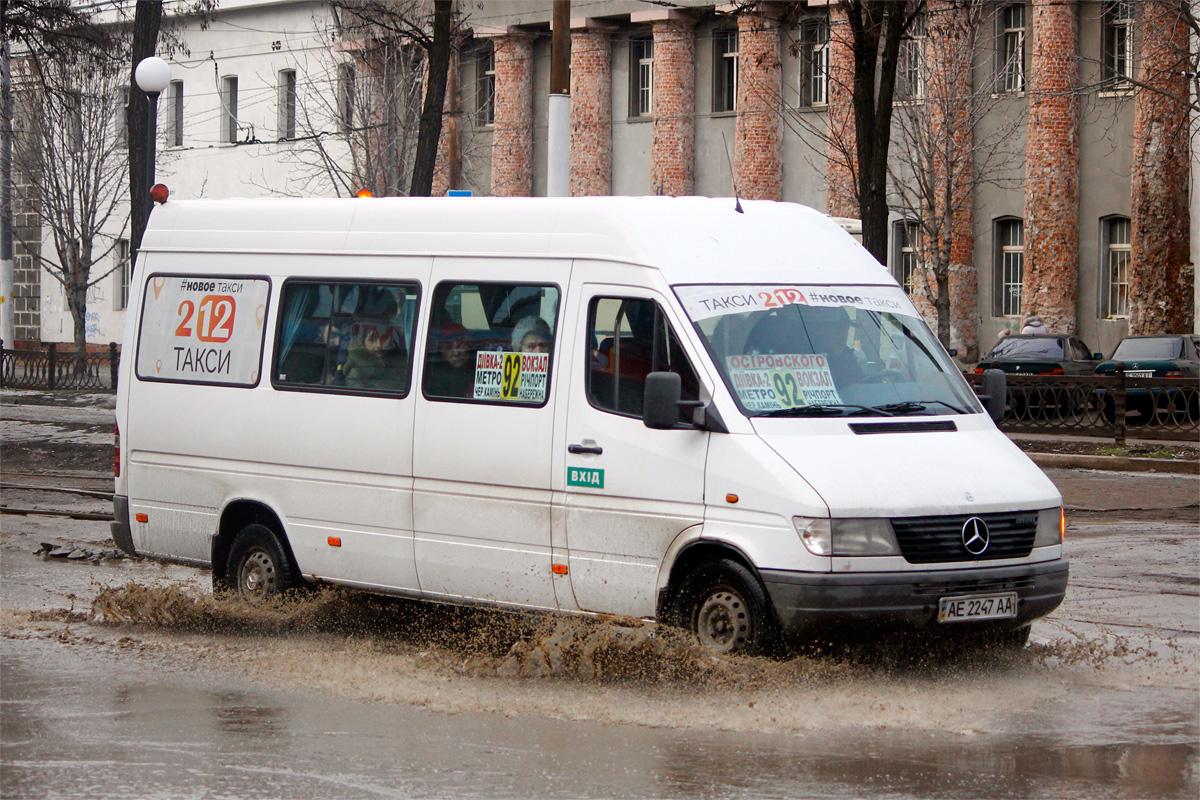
(1104, 703)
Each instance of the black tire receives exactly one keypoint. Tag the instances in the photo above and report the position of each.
(723, 604)
(259, 567)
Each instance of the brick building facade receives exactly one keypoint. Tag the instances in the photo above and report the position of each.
(1048, 241)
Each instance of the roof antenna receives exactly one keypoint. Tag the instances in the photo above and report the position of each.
(737, 204)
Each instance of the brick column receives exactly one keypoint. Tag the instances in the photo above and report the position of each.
(758, 148)
(1161, 279)
(591, 112)
(512, 135)
(841, 153)
(1049, 287)
(672, 156)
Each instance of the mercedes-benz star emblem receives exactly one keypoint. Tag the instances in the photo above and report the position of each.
(975, 536)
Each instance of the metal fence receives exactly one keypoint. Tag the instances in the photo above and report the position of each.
(52, 368)
(1114, 406)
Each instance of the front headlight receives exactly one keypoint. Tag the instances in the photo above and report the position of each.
(1051, 527)
(864, 537)
(847, 537)
(815, 534)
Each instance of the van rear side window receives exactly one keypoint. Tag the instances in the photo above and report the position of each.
(202, 329)
(346, 336)
(491, 343)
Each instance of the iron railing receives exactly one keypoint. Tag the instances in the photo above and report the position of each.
(51, 368)
(1101, 405)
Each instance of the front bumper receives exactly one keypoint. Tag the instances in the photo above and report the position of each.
(807, 602)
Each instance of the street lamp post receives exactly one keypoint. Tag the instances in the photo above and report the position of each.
(152, 75)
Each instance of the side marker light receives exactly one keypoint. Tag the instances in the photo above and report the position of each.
(731, 498)
(141, 517)
(335, 541)
(558, 569)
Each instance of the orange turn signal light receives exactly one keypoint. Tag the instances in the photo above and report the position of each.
(159, 193)
(335, 541)
(364, 193)
(558, 569)
(731, 498)
(141, 517)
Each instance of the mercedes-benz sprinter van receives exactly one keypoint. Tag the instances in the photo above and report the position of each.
(725, 416)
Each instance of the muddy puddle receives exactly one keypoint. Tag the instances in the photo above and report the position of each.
(611, 669)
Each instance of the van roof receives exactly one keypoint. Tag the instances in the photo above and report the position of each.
(689, 239)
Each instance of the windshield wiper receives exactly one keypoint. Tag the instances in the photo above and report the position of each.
(913, 406)
(825, 410)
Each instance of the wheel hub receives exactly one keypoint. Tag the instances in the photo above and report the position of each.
(723, 622)
(258, 575)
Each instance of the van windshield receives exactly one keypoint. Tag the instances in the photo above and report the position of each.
(826, 351)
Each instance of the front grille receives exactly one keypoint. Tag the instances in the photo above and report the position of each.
(935, 540)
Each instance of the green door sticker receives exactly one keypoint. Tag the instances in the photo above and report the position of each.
(589, 478)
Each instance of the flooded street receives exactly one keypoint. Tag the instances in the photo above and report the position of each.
(126, 679)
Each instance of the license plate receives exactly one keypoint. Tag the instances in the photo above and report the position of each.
(1139, 373)
(972, 607)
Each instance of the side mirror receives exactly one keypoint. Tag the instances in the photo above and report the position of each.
(995, 394)
(660, 408)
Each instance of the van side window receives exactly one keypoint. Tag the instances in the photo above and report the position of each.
(630, 338)
(491, 343)
(352, 336)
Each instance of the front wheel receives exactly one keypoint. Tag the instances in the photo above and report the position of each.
(258, 564)
(726, 607)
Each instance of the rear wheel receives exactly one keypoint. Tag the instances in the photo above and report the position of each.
(258, 564)
(725, 606)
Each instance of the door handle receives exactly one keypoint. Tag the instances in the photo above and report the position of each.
(582, 449)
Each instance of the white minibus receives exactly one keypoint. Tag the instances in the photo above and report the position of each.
(724, 416)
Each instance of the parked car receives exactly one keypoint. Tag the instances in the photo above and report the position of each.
(1159, 356)
(1042, 354)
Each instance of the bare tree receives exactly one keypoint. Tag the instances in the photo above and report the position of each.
(401, 54)
(74, 167)
(950, 141)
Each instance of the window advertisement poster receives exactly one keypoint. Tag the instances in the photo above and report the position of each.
(199, 329)
(511, 377)
(770, 382)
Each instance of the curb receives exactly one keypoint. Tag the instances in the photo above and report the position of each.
(1116, 463)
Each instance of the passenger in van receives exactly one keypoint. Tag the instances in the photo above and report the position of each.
(377, 358)
(532, 335)
(450, 371)
(828, 329)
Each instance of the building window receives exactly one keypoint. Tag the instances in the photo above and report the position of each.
(229, 109)
(346, 88)
(814, 63)
(121, 117)
(485, 85)
(1012, 49)
(287, 104)
(910, 68)
(641, 70)
(1010, 266)
(907, 260)
(725, 70)
(121, 273)
(175, 115)
(73, 108)
(1117, 251)
(1117, 43)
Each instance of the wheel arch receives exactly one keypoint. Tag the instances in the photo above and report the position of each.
(236, 515)
(692, 554)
